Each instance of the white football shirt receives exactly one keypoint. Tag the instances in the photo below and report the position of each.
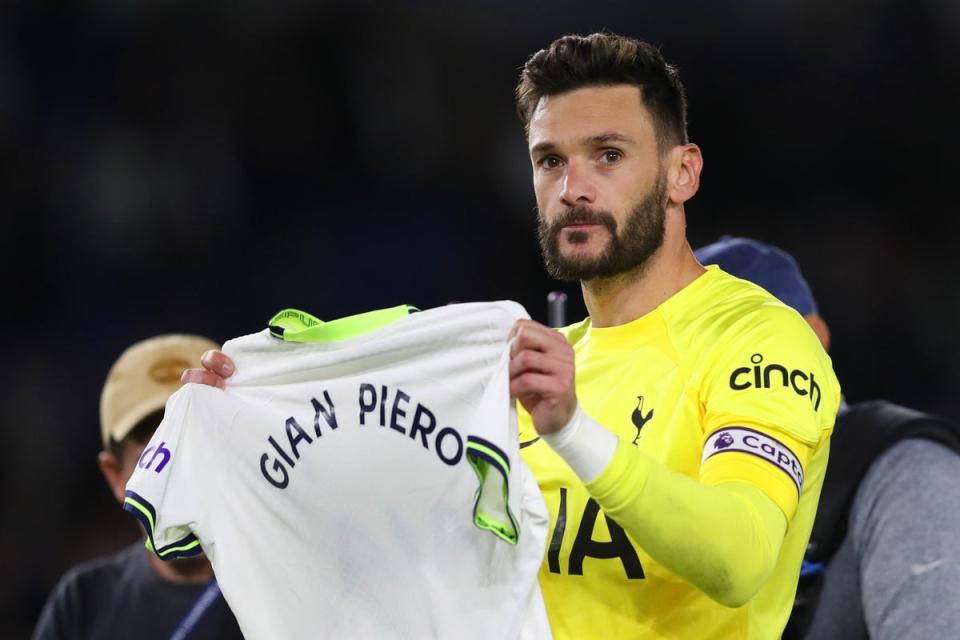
(365, 487)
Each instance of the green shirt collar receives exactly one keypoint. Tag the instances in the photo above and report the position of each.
(293, 325)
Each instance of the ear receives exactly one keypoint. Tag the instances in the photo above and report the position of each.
(684, 164)
(113, 472)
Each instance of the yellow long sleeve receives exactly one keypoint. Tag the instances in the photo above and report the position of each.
(722, 539)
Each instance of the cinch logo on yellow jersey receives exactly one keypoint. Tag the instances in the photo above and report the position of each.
(740, 379)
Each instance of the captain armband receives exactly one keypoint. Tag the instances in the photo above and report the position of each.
(755, 443)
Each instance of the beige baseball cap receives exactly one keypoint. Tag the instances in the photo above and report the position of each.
(142, 379)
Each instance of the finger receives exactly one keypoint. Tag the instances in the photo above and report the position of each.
(534, 384)
(536, 361)
(538, 338)
(203, 376)
(533, 325)
(218, 362)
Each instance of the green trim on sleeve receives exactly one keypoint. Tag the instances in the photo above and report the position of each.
(143, 511)
(491, 509)
(293, 325)
(492, 520)
(497, 459)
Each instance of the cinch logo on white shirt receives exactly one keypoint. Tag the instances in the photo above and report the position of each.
(758, 444)
(154, 452)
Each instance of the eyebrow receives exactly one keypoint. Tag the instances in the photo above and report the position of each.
(589, 141)
(604, 138)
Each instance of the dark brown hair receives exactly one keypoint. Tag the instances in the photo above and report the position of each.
(606, 59)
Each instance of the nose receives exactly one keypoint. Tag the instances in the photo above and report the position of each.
(577, 186)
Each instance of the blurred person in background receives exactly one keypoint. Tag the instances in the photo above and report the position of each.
(664, 523)
(883, 561)
(133, 593)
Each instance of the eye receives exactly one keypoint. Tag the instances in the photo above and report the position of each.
(549, 162)
(611, 156)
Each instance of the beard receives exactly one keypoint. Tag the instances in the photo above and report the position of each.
(628, 251)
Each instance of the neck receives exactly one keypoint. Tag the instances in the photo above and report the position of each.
(184, 571)
(627, 296)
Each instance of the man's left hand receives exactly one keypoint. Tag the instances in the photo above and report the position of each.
(542, 374)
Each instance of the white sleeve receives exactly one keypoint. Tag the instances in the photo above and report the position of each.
(163, 492)
(492, 450)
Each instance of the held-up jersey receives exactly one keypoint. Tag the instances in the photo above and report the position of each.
(356, 480)
(721, 383)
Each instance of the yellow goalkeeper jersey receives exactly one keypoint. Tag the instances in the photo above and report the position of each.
(721, 383)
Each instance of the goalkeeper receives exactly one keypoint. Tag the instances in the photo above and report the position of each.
(679, 433)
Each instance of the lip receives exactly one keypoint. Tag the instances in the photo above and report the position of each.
(579, 226)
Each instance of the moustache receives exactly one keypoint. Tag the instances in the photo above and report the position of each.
(583, 215)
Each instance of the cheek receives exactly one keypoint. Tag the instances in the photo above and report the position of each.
(542, 199)
(128, 468)
(546, 189)
(624, 198)
(623, 185)
(131, 456)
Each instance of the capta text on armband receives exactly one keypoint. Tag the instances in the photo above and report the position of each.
(755, 443)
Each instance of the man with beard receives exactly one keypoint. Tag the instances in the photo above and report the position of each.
(691, 409)
(680, 432)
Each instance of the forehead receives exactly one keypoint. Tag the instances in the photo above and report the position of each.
(590, 111)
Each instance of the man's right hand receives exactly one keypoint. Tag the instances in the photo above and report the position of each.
(217, 367)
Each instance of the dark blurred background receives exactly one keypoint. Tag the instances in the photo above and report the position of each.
(196, 166)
